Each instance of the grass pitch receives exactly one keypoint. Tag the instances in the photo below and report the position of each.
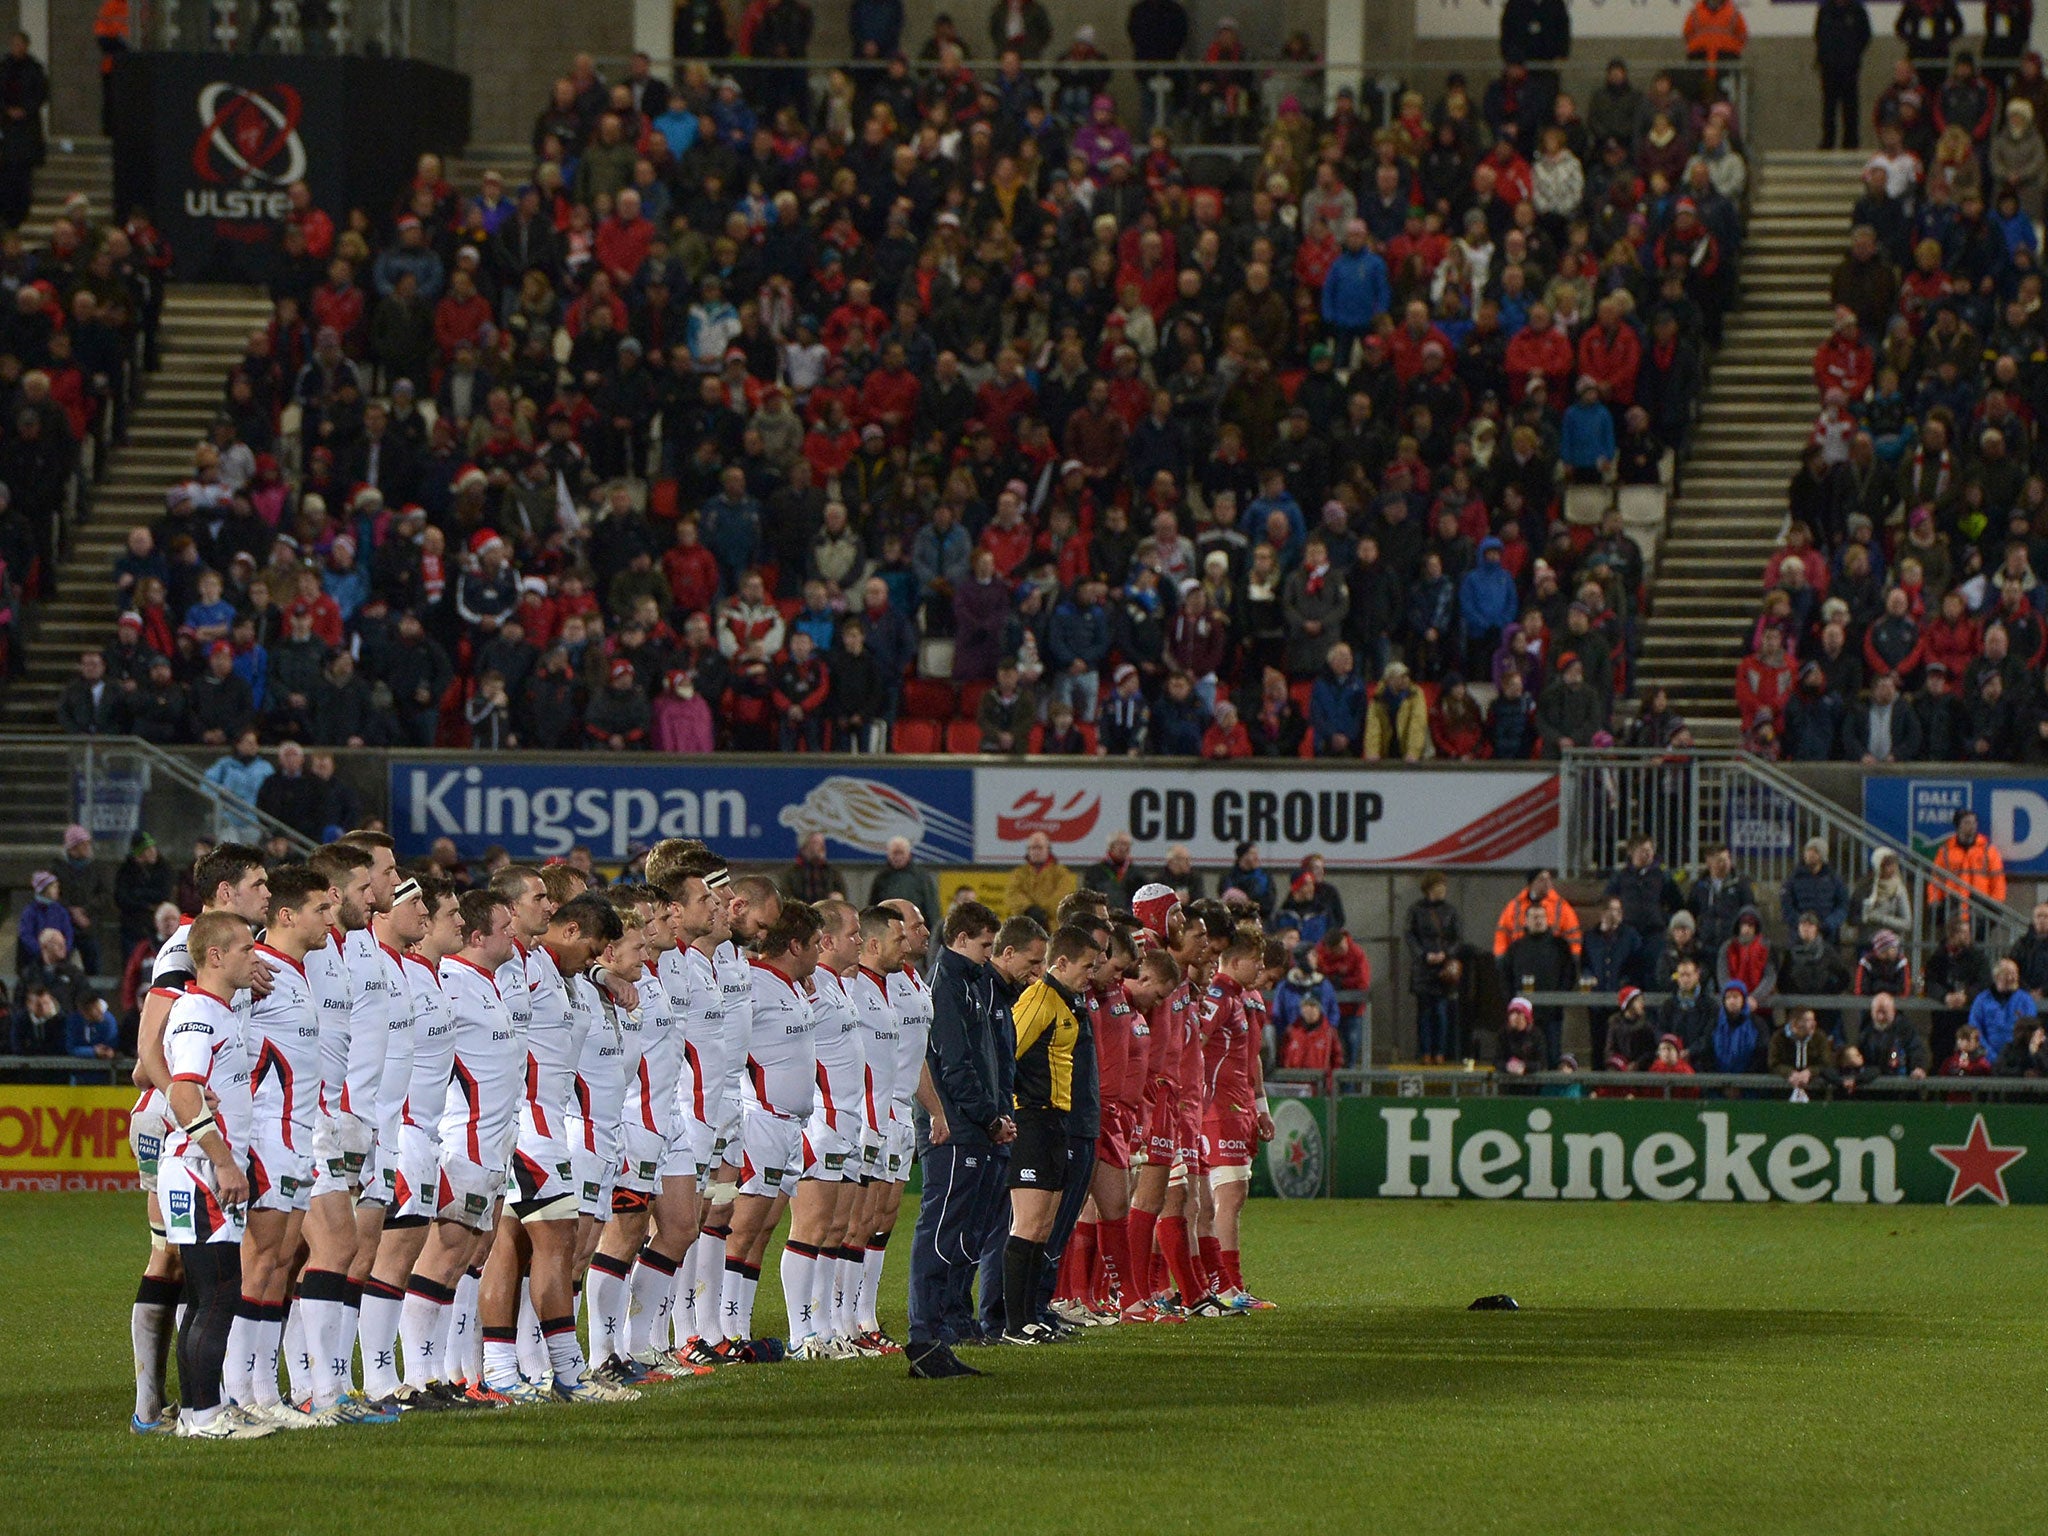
(1677, 1368)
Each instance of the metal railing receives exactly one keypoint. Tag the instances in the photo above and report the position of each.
(120, 785)
(393, 29)
(1689, 801)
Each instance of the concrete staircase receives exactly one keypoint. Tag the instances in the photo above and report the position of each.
(1758, 410)
(204, 332)
(74, 165)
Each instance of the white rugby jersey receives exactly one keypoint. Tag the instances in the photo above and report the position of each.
(433, 1045)
(369, 1022)
(841, 1056)
(327, 977)
(481, 1111)
(283, 1045)
(651, 1091)
(555, 1029)
(204, 1044)
(912, 1000)
(613, 1040)
(869, 994)
(781, 1060)
(734, 968)
(512, 988)
(698, 1002)
(395, 1081)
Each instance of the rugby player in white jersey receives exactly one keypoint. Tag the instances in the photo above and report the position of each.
(479, 1119)
(400, 1234)
(202, 1176)
(777, 1089)
(656, 1333)
(319, 1341)
(752, 906)
(830, 1181)
(910, 1083)
(283, 1042)
(369, 980)
(882, 942)
(538, 1235)
(229, 879)
(614, 1051)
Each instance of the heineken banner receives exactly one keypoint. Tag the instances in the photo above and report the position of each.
(1870, 1152)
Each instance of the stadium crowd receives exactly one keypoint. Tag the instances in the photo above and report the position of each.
(933, 413)
(1903, 612)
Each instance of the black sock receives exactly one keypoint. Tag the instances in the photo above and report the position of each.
(1021, 1261)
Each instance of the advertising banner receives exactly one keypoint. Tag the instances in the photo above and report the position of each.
(1864, 1153)
(1361, 818)
(747, 811)
(1662, 19)
(55, 1139)
(211, 143)
(1918, 812)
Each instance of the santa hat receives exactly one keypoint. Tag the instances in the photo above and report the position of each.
(1523, 1006)
(365, 497)
(483, 539)
(470, 478)
(537, 585)
(1153, 906)
(1627, 996)
(622, 670)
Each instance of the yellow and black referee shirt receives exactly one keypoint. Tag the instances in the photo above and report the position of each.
(1046, 1028)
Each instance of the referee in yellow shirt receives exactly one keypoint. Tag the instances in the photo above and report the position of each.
(1047, 1024)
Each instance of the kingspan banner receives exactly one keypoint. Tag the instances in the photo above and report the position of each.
(1872, 1153)
(538, 809)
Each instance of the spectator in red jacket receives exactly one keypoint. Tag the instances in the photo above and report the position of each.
(1541, 349)
(691, 569)
(889, 396)
(1226, 736)
(624, 240)
(1610, 353)
(1311, 1044)
(1343, 961)
(1009, 535)
(859, 309)
(1005, 398)
(461, 317)
(801, 687)
(1844, 361)
(1764, 680)
(339, 305)
(1952, 637)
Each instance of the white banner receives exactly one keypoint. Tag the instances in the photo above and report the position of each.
(1648, 18)
(1361, 819)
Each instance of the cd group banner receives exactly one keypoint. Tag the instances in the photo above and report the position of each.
(1919, 813)
(1362, 819)
(55, 1139)
(1747, 1151)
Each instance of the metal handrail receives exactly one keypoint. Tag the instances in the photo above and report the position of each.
(227, 803)
(1688, 794)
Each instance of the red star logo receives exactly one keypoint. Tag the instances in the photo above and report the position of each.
(1978, 1164)
(1297, 1153)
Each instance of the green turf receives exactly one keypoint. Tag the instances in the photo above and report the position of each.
(1677, 1368)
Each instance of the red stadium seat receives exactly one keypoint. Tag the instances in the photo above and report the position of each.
(963, 736)
(662, 501)
(1300, 693)
(1036, 742)
(928, 699)
(789, 608)
(913, 737)
(970, 698)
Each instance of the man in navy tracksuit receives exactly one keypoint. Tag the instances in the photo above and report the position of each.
(968, 1121)
(1017, 961)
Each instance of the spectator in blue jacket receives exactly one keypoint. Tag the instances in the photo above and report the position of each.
(45, 909)
(411, 254)
(1612, 953)
(731, 526)
(1336, 705)
(1275, 497)
(91, 1031)
(1356, 291)
(1487, 604)
(1247, 873)
(1178, 719)
(241, 774)
(1815, 887)
(1077, 643)
(1303, 979)
(2002, 1010)
(876, 22)
(1586, 443)
(1736, 1041)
